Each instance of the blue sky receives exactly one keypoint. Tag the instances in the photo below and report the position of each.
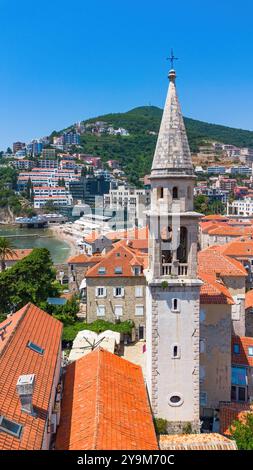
(63, 61)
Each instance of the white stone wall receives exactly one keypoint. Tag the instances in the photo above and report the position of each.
(172, 376)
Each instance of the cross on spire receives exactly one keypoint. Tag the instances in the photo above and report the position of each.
(172, 58)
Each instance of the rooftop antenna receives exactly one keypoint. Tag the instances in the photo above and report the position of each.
(172, 58)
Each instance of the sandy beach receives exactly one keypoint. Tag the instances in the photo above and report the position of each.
(58, 232)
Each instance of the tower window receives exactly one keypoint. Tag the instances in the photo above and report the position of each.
(175, 305)
(175, 351)
(175, 193)
(176, 399)
(160, 193)
(189, 192)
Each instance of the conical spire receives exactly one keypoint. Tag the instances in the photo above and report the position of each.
(172, 153)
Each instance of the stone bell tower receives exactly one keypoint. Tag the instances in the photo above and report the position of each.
(172, 327)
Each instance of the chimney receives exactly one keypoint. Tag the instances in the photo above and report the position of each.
(25, 388)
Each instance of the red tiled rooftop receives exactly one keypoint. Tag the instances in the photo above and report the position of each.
(242, 358)
(231, 412)
(18, 254)
(83, 259)
(249, 299)
(28, 324)
(214, 291)
(105, 406)
(211, 261)
(120, 256)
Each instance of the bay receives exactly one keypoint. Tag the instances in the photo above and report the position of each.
(37, 238)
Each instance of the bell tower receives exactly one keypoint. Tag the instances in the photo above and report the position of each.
(172, 285)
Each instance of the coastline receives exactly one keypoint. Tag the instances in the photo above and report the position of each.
(57, 232)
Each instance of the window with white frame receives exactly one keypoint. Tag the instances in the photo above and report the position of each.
(139, 310)
(137, 270)
(100, 310)
(250, 350)
(202, 373)
(203, 398)
(202, 315)
(139, 291)
(100, 291)
(202, 345)
(175, 307)
(118, 292)
(118, 310)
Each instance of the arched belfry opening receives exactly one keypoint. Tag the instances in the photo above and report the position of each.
(182, 253)
(175, 192)
(166, 240)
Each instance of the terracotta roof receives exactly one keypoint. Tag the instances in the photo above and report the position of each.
(229, 412)
(242, 246)
(214, 291)
(211, 441)
(217, 217)
(243, 357)
(19, 254)
(134, 234)
(28, 324)
(120, 256)
(211, 261)
(249, 299)
(83, 259)
(105, 406)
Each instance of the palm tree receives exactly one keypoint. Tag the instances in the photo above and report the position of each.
(6, 249)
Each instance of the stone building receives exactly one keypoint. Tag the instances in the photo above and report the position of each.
(116, 288)
(172, 304)
(78, 265)
(216, 305)
(233, 274)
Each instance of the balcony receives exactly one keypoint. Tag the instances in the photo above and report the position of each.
(180, 269)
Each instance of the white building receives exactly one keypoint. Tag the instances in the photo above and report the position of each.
(241, 207)
(131, 199)
(172, 307)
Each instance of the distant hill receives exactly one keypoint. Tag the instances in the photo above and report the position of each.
(135, 152)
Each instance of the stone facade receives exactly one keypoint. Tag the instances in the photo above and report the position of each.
(215, 356)
(128, 301)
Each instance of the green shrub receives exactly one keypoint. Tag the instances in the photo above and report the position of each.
(160, 425)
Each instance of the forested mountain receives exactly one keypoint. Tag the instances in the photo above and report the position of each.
(135, 152)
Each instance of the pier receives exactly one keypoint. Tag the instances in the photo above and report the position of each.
(31, 222)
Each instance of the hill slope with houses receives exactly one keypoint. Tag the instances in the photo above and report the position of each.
(135, 148)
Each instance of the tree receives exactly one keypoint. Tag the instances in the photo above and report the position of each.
(201, 204)
(49, 207)
(6, 250)
(30, 280)
(242, 432)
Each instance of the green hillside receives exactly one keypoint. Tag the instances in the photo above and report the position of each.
(135, 152)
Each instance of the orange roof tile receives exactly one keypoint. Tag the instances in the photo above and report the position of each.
(28, 324)
(214, 291)
(241, 247)
(211, 441)
(212, 261)
(229, 412)
(217, 217)
(85, 259)
(105, 406)
(18, 254)
(249, 299)
(120, 256)
(243, 357)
